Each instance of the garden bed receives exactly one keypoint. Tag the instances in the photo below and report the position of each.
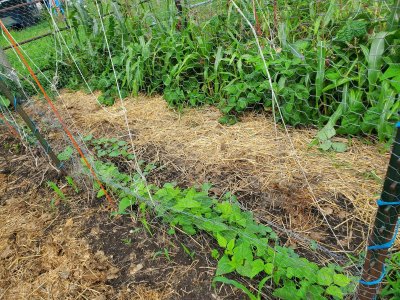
(75, 249)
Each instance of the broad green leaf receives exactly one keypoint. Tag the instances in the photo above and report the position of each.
(290, 272)
(339, 147)
(326, 145)
(66, 154)
(224, 266)
(325, 276)
(187, 203)
(392, 71)
(326, 133)
(287, 292)
(214, 253)
(251, 268)
(218, 58)
(269, 268)
(314, 292)
(225, 208)
(230, 245)
(341, 280)
(242, 252)
(335, 291)
(114, 153)
(124, 204)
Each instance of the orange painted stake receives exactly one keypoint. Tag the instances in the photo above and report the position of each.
(66, 130)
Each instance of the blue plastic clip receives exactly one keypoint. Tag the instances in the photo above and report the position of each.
(389, 243)
(376, 281)
(384, 203)
(398, 124)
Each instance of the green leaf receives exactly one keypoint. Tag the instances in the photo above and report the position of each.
(224, 266)
(251, 268)
(222, 242)
(56, 189)
(189, 229)
(214, 253)
(335, 291)
(66, 154)
(114, 153)
(287, 292)
(392, 71)
(325, 276)
(88, 138)
(225, 208)
(339, 147)
(319, 80)
(242, 252)
(325, 145)
(326, 133)
(290, 272)
(230, 245)
(187, 203)
(375, 58)
(100, 193)
(269, 268)
(4, 101)
(124, 204)
(314, 292)
(352, 29)
(341, 280)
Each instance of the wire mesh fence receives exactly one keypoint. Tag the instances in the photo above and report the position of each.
(329, 68)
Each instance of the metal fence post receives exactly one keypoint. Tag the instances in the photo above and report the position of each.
(7, 72)
(385, 228)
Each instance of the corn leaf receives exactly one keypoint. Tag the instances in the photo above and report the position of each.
(319, 80)
(375, 58)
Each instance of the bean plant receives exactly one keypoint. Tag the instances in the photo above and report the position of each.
(340, 73)
(245, 247)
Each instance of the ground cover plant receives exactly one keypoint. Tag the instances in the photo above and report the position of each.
(246, 247)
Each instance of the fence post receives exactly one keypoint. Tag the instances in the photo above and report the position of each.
(7, 71)
(385, 228)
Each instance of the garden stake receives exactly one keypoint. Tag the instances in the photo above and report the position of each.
(385, 227)
(56, 113)
(5, 91)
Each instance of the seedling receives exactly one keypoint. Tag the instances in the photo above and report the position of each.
(56, 189)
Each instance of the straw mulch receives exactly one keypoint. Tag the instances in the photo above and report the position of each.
(42, 252)
(253, 158)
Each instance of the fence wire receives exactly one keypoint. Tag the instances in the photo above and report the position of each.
(327, 67)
